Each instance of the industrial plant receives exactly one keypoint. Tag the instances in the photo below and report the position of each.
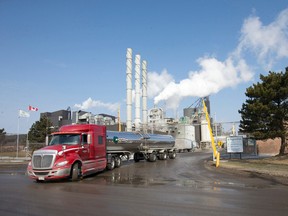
(189, 131)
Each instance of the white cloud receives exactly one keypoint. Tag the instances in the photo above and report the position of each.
(268, 43)
(89, 103)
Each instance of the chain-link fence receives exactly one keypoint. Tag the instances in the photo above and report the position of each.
(17, 146)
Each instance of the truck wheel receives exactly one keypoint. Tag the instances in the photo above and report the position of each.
(75, 172)
(136, 158)
(172, 155)
(163, 156)
(118, 162)
(152, 157)
(111, 165)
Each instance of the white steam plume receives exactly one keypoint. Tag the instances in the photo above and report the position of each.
(213, 77)
(89, 103)
(268, 43)
(157, 82)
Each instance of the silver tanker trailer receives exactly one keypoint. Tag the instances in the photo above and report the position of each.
(143, 146)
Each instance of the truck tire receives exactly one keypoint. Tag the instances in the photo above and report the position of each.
(136, 157)
(152, 157)
(75, 172)
(111, 165)
(172, 155)
(163, 156)
(118, 162)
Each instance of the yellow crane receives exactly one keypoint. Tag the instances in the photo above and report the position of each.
(216, 154)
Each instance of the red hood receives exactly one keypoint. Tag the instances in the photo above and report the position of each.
(53, 147)
(60, 147)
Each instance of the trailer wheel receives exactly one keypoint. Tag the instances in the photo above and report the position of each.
(75, 172)
(163, 156)
(172, 155)
(111, 165)
(118, 162)
(152, 157)
(136, 157)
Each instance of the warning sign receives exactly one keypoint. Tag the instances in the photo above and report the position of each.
(235, 144)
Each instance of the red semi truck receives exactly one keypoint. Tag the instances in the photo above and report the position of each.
(82, 149)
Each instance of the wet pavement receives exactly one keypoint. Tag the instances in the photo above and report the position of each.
(172, 187)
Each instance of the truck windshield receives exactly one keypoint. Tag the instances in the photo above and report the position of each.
(68, 139)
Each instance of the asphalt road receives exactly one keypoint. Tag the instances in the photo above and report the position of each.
(173, 187)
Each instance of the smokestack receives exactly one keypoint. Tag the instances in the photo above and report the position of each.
(137, 93)
(129, 89)
(144, 95)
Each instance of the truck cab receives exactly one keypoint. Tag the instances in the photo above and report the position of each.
(73, 152)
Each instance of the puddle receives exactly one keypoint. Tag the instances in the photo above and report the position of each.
(139, 181)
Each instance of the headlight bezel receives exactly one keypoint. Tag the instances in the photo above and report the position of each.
(61, 163)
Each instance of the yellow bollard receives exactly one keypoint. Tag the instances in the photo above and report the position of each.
(217, 159)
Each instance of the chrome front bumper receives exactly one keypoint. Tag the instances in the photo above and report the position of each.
(43, 175)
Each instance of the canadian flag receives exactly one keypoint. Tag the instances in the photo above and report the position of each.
(32, 108)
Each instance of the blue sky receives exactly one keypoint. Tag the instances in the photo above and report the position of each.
(56, 54)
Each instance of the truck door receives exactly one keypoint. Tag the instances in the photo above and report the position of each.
(84, 148)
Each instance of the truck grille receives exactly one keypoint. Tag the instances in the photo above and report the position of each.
(43, 159)
(41, 173)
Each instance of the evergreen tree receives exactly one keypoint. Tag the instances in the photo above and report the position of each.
(39, 130)
(265, 113)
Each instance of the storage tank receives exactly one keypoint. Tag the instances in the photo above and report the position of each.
(205, 133)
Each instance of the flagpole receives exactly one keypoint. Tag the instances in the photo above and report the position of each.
(23, 114)
(17, 137)
(27, 139)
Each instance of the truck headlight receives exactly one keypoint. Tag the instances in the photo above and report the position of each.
(62, 163)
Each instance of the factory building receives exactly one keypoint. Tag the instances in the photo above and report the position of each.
(58, 118)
